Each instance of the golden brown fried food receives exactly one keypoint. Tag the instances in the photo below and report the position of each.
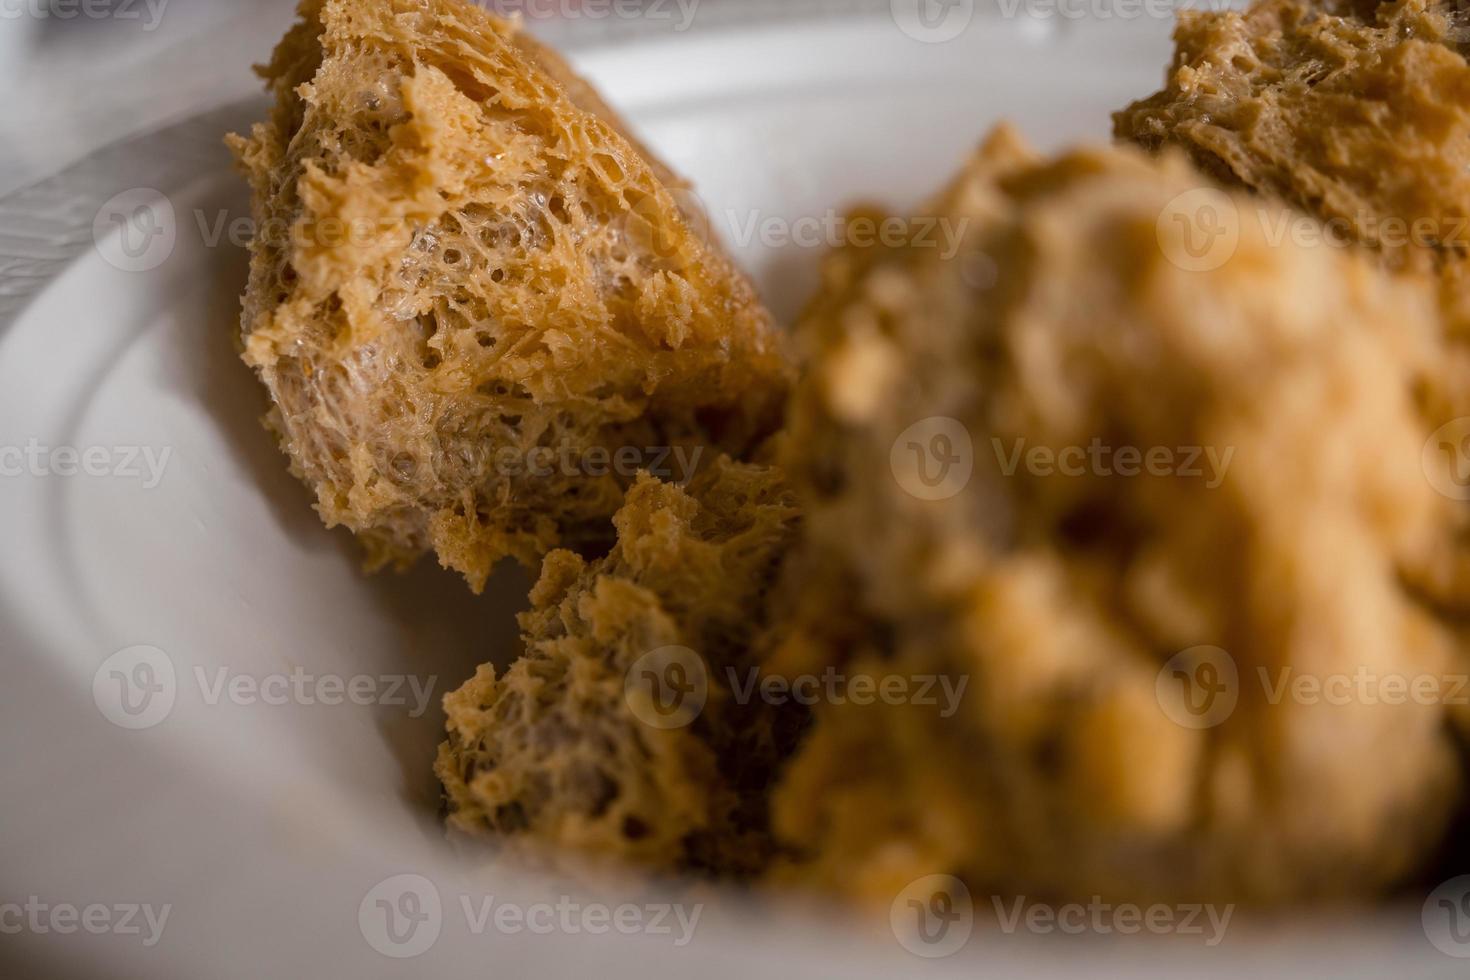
(1359, 114)
(1125, 495)
(570, 749)
(467, 278)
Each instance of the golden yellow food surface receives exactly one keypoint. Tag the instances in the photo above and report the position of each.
(1359, 115)
(619, 732)
(470, 291)
(1136, 499)
(1356, 112)
(1114, 544)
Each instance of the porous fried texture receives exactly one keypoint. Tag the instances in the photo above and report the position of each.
(1358, 113)
(465, 277)
(1059, 596)
(552, 754)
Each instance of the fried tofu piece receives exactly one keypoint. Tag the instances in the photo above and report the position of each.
(570, 750)
(1119, 496)
(470, 288)
(1359, 115)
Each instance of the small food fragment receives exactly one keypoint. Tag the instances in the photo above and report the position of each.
(470, 290)
(622, 732)
(1121, 522)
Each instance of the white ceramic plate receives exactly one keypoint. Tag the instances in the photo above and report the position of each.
(173, 553)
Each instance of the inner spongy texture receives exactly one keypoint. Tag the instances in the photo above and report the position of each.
(459, 265)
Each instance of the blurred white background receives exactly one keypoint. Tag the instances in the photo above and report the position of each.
(78, 74)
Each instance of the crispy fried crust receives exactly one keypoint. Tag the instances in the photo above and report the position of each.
(466, 277)
(559, 753)
(1057, 597)
(1359, 114)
